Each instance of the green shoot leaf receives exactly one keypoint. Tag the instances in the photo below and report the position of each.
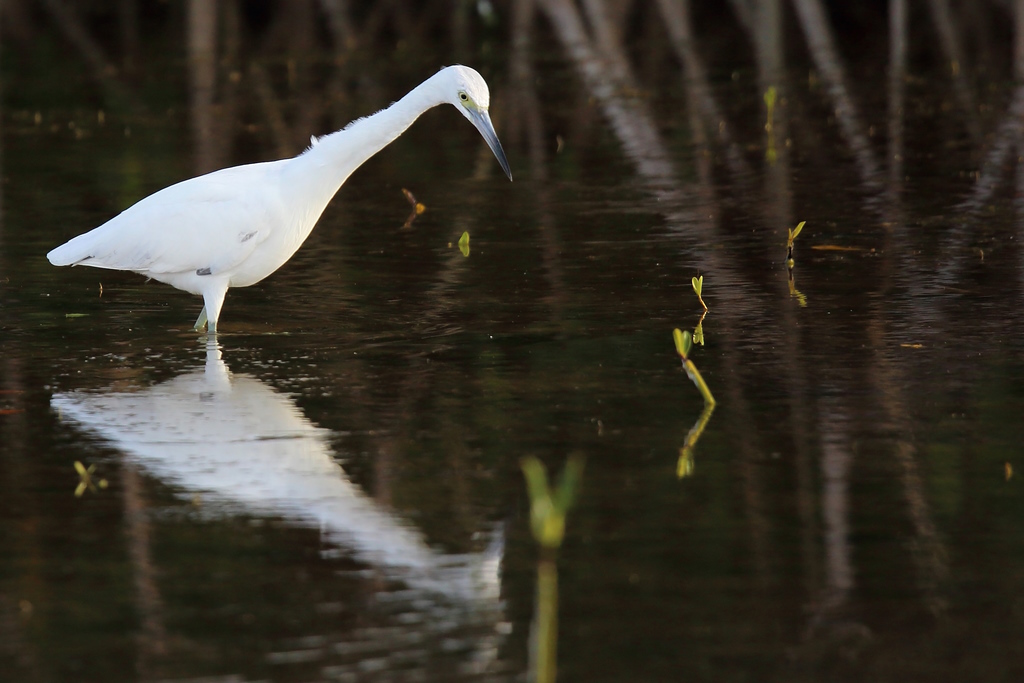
(794, 232)
(683, 342)
(547, 512)
(698, 287)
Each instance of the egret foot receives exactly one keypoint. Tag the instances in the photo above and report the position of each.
(201, 320)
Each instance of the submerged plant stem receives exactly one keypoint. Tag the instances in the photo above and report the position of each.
(544, 648)
(694, 374)
(685, 465)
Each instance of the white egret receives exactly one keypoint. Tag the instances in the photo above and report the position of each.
(236, 226)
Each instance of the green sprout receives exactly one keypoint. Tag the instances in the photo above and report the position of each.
(789, 243)
(464, 244)
(684, 342)
(698, 285)
(685, 465)
(548, 508)
(790, 263)
(85, 479)
(794, 292)
(544, 646)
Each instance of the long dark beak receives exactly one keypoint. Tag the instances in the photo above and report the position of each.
(482, 120)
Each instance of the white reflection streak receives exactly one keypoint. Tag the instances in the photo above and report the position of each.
(835, 471)
(239, 442)
(827, 61)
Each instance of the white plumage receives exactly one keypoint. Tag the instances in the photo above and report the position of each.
(234, 227)
(243, 445)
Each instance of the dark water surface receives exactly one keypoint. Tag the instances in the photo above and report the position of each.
(331, 489)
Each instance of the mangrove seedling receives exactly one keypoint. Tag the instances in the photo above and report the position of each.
(684, 342)
(698, 285)
(548, 507)
(794, 292)
(684, 467)
(789, 243)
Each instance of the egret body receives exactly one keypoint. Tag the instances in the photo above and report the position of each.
(236, 226)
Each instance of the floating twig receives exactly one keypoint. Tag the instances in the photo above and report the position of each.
(417, 208)
(85, 479)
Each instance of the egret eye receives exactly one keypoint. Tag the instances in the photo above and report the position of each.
(464, 97)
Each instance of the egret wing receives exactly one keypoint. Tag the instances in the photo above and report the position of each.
(205, 224)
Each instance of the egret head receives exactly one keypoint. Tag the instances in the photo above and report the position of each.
(467, 91)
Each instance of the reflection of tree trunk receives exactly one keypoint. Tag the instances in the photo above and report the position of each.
(942, 15)
(386, 455)
(2, 251)
(927, 550)
(68, 22)
(704, 112)
(23, 533)
(342, 31)
(459, 22)
(631, 120)
(528, 113)
(836, 461)
(955, 252)
(769, 51)
(606, 75)
(17, 21)
(897, 252)
(1020, 183)
(202, 52)
(826, 60)
(293, 34)
(279, 133)
(993, 166)
(744, 13)
(77, 34)
(1018, 39)
(830, 628)
(128, 15)
(897, 76)
(152, 637)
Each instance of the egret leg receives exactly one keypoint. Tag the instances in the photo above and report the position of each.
(214, 299)
(201, 320)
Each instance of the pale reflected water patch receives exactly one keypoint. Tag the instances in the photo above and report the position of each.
(235, 446)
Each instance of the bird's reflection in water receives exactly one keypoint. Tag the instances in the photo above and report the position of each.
(248, 448)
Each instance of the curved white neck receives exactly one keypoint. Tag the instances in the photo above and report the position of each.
(321, 170)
